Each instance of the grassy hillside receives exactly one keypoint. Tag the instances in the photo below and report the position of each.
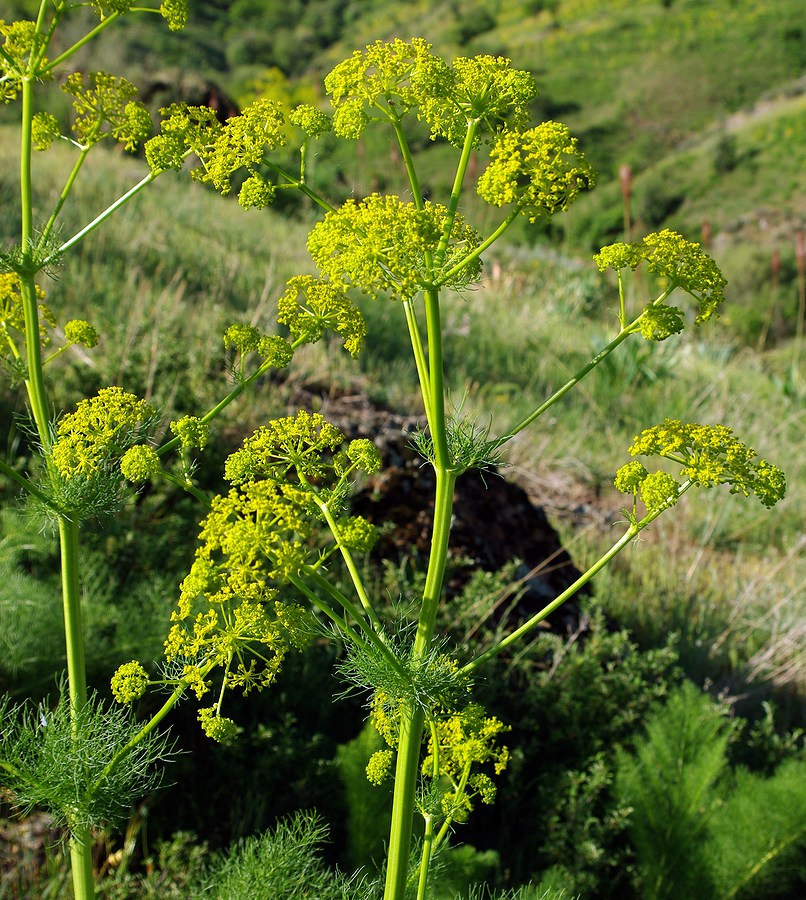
(705, 102)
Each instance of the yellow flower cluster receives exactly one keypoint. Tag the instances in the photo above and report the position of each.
(466, 739)
(192, 432)
(129, 682)
(100, 430)
(389, 79)
(107, 106)
(311, 306)
(381, 245)
(682, 264)
(540, 171)
(222, 150)
(708, 455)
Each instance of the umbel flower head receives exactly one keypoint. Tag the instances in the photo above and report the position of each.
(310, 120)
(385, 79)
(541, 171)
(708, 455)
(222, 150)
(389, 79)
(100, 430)
(79, 331)
(482, 89)
(467, 739)
(311, 306)
(230, 617)
(292, 444)
(107, 105)
(380, 245)
(682, 264)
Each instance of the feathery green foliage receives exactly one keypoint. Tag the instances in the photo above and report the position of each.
(68, 761)
(672, 785)
(700, 829)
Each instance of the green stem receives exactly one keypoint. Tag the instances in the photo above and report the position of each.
(578, 376)
(320, 604)
(68, 186)
(81, 863)
(352, 610)
(187, 485)
(34, 382)
(482, 247)
(575, 379)
(152, 723)
(446, 825)
(419, 353)
(428, 836)
(236, 392)
(456, 191)
(105, 23)
(408, 160)
(514, 636)
(435, 410)
(102, 217)
(412, 718)
(425, 861)
(80, 838)
(408, 758)
(71, 595)
(355, 575)
(301, 185)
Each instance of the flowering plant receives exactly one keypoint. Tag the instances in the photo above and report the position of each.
(258, 588)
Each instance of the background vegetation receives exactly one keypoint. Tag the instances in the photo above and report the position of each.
(706, 103)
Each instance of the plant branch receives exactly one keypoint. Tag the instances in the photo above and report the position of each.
(355, 575)
(482, 247)
(627, 538)
(456, 191)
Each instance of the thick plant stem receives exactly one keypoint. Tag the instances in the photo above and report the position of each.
(71, 601)
(81, 864)
(81, 839)
(412, 717)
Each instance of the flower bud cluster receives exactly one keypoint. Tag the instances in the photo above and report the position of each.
(192, 432)
(129, 682)
(310, 120)
(78, 331)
